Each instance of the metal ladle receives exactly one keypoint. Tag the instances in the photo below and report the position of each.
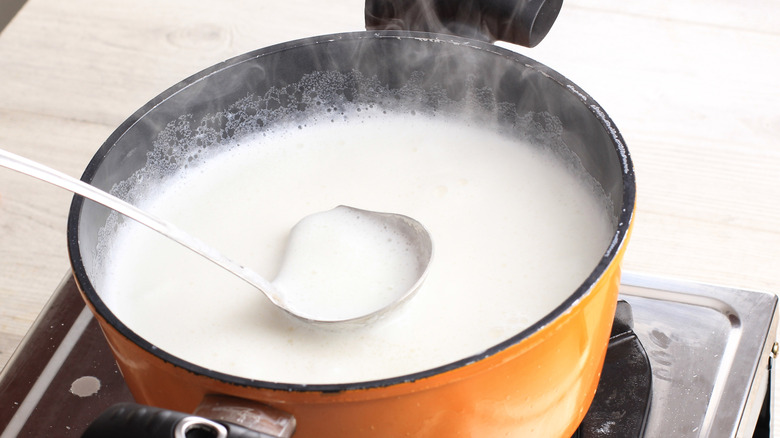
(404, 225)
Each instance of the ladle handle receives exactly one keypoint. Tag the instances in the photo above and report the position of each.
(59, 179)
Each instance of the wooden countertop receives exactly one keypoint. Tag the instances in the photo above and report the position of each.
(693, 86)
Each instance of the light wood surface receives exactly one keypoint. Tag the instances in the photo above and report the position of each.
(693, 85)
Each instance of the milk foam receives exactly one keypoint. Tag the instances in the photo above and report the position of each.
(515, 233)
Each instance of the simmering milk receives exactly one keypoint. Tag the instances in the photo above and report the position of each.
(515, 233)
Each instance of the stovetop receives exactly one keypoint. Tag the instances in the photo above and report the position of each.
(685, 360)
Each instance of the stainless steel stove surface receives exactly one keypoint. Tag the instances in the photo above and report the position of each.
(709, 349)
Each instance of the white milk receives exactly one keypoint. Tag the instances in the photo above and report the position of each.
(515, 234)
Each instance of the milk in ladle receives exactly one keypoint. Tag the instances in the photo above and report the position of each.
(516, 232)
(348, 264)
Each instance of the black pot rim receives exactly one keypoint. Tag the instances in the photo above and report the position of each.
(619, 239)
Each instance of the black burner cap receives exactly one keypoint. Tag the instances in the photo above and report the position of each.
(622, 399)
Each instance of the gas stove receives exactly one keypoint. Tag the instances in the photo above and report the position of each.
(685, 360)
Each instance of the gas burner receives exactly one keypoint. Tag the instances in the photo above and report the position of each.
(685, 360)
(622, 401)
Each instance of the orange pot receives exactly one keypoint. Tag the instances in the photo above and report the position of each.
(539, 382)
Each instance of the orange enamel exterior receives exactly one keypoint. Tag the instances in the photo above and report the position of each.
(540, 386)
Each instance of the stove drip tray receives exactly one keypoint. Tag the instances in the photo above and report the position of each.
(622, 400)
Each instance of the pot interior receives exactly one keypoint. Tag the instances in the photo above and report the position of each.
(292, 81)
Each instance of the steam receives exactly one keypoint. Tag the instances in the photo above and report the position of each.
(328, 95)
(187, 142)
(346, 76)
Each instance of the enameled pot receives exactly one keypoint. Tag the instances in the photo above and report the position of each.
(539, 382)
